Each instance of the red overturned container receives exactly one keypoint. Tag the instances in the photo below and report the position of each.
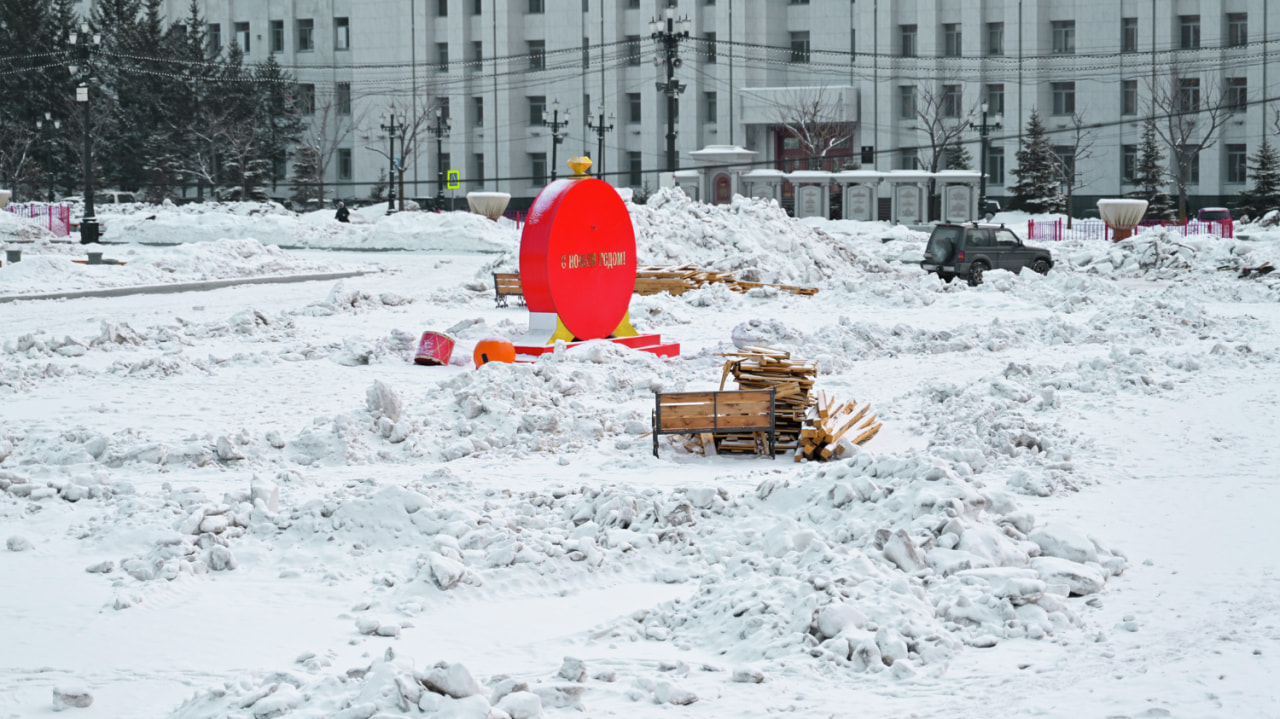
(434, 348)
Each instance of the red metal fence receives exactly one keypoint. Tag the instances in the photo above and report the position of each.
(55, 217)
(1098, 230)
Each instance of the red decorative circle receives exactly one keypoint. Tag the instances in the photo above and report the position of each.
(578, 256)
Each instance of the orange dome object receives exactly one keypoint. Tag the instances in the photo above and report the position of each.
(494, 350)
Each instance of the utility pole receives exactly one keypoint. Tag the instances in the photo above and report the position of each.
(984, 132)
(85, 44)
(558, 132)
(669, 32)
(390, 127)
(441, 131)
(600, 129)
(48, 147)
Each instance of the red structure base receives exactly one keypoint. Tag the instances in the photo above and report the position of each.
(645, 343)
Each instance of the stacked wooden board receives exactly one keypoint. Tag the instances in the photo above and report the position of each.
(678, 279)
(792, 381)
(831, 427)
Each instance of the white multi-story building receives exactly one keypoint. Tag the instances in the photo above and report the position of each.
(495, 66)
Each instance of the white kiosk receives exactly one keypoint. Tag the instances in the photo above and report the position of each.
(721, 171)
(763, 183)
(907, 188)
(959, 191)
(861, 193)
(812, 192)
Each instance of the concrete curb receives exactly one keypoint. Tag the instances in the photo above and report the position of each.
(185, 286)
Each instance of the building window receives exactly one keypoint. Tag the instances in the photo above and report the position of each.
(477, 55)
(800, 47)
(995, 38)
(477, 110)
(1189, 31)
(797, 2)
(633, 49)
(306, 35)
(1129, 34)
(214, 37)
(477, 7)
(908, 159)
(446, 162)
(1066, 165)
(1237, 95)
(341, 33)
(442, 56)
(1128, 97)
(709, 105)
(951, 100)
(1237, 164)
(1237, 29)
(995, 166)
(242, 36)
(477, 171)
(586, 53)
(307, 98)
(907, 102)
(342, 97)
(633, 107)
(537, 7)
(277, 36)
(635, 169)
(442, 8)
(1064, 36)
(1064, 98)
(1129, 163)
(344, 163)
(1188, 94)
(537, 54)
(538, 167)
(537, 108)
(633, 4)
(907, 40)
(995, 99)
(951, 39)
(709, 46)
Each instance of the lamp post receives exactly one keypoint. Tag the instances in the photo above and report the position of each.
(984, 132)
(390, 127)
(441, 131)
(84, 43)
(558, 132)
(600, 129)
(669, 32)
(57, 125)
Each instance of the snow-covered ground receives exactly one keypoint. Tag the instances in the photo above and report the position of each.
(247, 501)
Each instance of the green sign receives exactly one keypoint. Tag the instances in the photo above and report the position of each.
(454, 182)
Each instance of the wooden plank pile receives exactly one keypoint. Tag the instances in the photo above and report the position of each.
(678, 279)
(831, 428)
(792, 381)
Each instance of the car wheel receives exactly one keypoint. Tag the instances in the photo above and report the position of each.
(1040, 266)
(975, 274)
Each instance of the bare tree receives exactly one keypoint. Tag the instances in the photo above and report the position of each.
(813, 117)
(943, 120)
(328, 125)
(1067, 157)
(18, 168)
(411, 133)
(1189, 114)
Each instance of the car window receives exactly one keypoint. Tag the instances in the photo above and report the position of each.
(979, 238)
(124, 197)
(949, 234)
(1005, 237)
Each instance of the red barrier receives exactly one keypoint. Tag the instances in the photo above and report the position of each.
(57, 218)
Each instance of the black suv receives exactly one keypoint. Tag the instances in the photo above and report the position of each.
(969, 250)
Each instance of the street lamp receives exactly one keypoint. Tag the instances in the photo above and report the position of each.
(558, 132)
(390, 127)
(669, 32)
(441, 131)
(57, 125)
(984, 132)
(84, 44)
(600, 129)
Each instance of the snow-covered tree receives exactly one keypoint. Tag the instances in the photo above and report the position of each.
(1039, 185)
(1151, 176)
(1264, 167)
(958, 158)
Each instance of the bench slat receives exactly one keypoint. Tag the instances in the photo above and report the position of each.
(704, 424)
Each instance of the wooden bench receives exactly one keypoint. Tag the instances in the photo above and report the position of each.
(507, 284)
(715, 413)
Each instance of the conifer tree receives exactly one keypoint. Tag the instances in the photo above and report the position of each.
(1152, 176)
(958, 158)
(1264, 196)
(1039, 188)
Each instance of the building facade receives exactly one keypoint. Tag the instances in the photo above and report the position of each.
(877, 70)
